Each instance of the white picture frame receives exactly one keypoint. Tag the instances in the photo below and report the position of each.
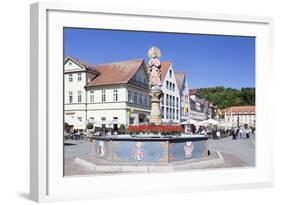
(46, 177)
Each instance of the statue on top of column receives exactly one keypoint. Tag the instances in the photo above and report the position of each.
(154, 67)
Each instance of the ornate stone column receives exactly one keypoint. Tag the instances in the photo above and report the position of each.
(155, 85)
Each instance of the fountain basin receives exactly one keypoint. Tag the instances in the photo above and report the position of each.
(140, 150)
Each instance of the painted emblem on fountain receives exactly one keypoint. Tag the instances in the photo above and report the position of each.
(188, 149)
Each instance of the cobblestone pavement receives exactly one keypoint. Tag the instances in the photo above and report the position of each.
(75, 148)
(241, 148)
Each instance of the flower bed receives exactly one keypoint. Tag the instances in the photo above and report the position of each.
(163, 129)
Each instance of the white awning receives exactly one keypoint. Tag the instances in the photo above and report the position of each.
(189, 121)
(212, 122)
(73, 121)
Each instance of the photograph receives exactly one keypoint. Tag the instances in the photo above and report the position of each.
(149, 102)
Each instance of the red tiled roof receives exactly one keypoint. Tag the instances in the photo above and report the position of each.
(116, 73)
(240, 109)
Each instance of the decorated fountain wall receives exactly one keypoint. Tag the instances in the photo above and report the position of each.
(133, 150)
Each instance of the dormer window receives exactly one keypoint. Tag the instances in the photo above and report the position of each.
(170, 72)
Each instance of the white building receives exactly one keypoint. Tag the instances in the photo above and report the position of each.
(112, 94)
(184, 95)
(170, 101)
(107, 95)
(197, 109)
(238, 116)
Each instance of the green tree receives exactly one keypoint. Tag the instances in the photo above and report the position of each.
(122, 129)
(226, 97)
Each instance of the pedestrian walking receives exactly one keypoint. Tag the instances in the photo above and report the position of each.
(233, 134)
(247, 133)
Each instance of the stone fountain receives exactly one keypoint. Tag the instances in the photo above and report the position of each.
(141, 149)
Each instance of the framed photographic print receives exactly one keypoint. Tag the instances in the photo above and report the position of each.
(127, 102)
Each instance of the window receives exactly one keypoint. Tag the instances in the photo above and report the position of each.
(79, 76)
(132, 120)
(170, 86)
(173, 86)
(103, 118)
(140, 99)
(135, 97)
(129, 96)
(170, 100)
(115, 95)
(177, 101)
(162, 111)
(92, 96)
(167, 85)
(170, 72)
(79, 96)
(167, 113)
(70, 78)
(173, 101)
(79, 118)
(177, 114)
(145, 99)
(167, 99)
(70, 97)
(103, 96)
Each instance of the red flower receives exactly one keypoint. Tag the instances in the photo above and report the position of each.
(164, 129)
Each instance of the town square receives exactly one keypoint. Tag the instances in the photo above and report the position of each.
(149, 114)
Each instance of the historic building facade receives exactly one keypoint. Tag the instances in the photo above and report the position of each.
(112, 94)
(182, 84)
(197, 106)
(238, 116)
(107, 95)
(170, 101)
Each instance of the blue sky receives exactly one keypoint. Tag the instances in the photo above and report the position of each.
(208, 60)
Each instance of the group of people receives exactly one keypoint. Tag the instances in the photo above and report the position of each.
(76, 134)
(217, 133)
(242, 133)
